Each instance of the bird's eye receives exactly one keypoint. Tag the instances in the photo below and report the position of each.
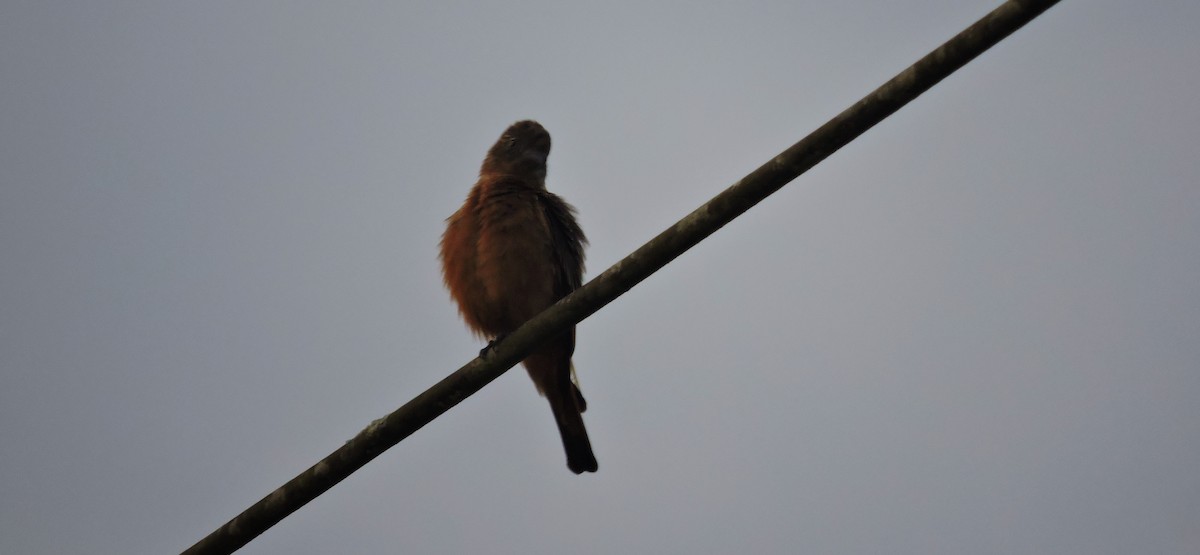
(509, 141)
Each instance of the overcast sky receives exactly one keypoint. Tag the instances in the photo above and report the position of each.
(976, 329)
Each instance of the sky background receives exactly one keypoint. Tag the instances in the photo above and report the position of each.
(976, 329)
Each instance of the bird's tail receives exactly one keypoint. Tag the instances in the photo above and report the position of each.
(554, 379)
(569, 415)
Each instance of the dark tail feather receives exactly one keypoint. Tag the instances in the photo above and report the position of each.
(570, 425)
(551, 371)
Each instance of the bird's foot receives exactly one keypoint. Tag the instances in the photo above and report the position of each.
(491, 345)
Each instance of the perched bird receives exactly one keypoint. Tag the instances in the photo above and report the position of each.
(511, 251)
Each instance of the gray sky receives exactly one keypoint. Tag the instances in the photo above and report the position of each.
(974, 330)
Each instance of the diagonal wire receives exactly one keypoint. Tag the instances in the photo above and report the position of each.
(386, 432)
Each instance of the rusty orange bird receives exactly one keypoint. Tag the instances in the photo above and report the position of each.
(511, 251)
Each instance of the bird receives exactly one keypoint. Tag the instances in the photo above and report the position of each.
(512, 250)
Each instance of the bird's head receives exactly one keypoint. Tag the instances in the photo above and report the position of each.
(522, 151)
